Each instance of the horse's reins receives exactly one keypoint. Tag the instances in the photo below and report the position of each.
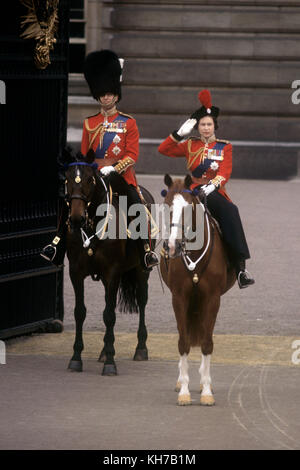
(87, 240)
(190, 264)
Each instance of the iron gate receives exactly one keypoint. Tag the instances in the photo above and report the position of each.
(32, 135)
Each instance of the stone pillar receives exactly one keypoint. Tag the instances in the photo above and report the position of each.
(93, 25)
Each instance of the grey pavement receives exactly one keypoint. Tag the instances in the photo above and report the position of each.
(45, 407)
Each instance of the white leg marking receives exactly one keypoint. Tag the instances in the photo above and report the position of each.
(204, 371)
(183, 375)
(184, 397)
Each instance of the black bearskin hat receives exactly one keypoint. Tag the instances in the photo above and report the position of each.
(206, 109)
(102, 71)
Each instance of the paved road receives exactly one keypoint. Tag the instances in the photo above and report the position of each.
(43, 406)
(270, 215)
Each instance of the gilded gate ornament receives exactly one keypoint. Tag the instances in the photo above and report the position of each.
(40, 23)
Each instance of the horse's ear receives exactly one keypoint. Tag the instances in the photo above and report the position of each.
(79, 157)
(188, 181)
(168, 180)
(90, 156)
(68, 155)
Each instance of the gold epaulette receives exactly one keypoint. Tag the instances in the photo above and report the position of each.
(124, 114)
(223, 140)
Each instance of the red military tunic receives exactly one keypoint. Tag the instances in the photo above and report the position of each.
(114, 139)
(208, 162)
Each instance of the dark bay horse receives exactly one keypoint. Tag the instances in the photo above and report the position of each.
(197, 279)
(113, 261)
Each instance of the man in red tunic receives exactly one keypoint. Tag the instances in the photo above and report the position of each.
(114, 137)
(210, 162)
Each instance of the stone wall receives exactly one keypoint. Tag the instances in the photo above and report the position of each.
(245, 51)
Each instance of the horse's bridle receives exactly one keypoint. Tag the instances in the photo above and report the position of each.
(189, 263)
(82, 197)
(108, 192)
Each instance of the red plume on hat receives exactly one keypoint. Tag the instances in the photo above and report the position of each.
(205, 98)
(207, 109)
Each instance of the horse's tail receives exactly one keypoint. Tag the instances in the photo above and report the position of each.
(127, 299)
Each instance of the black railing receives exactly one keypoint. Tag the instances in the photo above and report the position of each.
(33, 125)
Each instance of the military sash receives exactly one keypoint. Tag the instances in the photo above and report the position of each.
(111, 130)
(213, 154)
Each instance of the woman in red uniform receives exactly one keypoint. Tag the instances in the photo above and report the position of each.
(210, 162)
(114, 137)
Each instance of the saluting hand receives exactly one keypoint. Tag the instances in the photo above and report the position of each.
(186, 127)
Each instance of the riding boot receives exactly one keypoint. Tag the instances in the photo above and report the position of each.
(56, 250)
(243, 276)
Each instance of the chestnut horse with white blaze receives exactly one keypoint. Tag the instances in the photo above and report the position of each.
(197, 279)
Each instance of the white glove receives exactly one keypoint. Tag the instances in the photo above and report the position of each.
(208, 188)
(186, 127)
(106, 170)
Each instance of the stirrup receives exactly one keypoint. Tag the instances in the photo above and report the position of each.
(51, 252)
(249, 280)
(150, 263)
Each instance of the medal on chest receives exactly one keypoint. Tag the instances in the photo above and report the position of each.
(215, 154)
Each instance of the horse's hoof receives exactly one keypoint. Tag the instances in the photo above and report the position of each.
(109, 369)
(141, 355)
(75, 366)
(184, 400)
(207, 400)
(177, 387)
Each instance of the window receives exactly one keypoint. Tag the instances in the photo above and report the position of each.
(77, 35)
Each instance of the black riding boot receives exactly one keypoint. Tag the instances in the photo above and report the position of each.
(243, 276)
(56, 250)
(227, 215)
